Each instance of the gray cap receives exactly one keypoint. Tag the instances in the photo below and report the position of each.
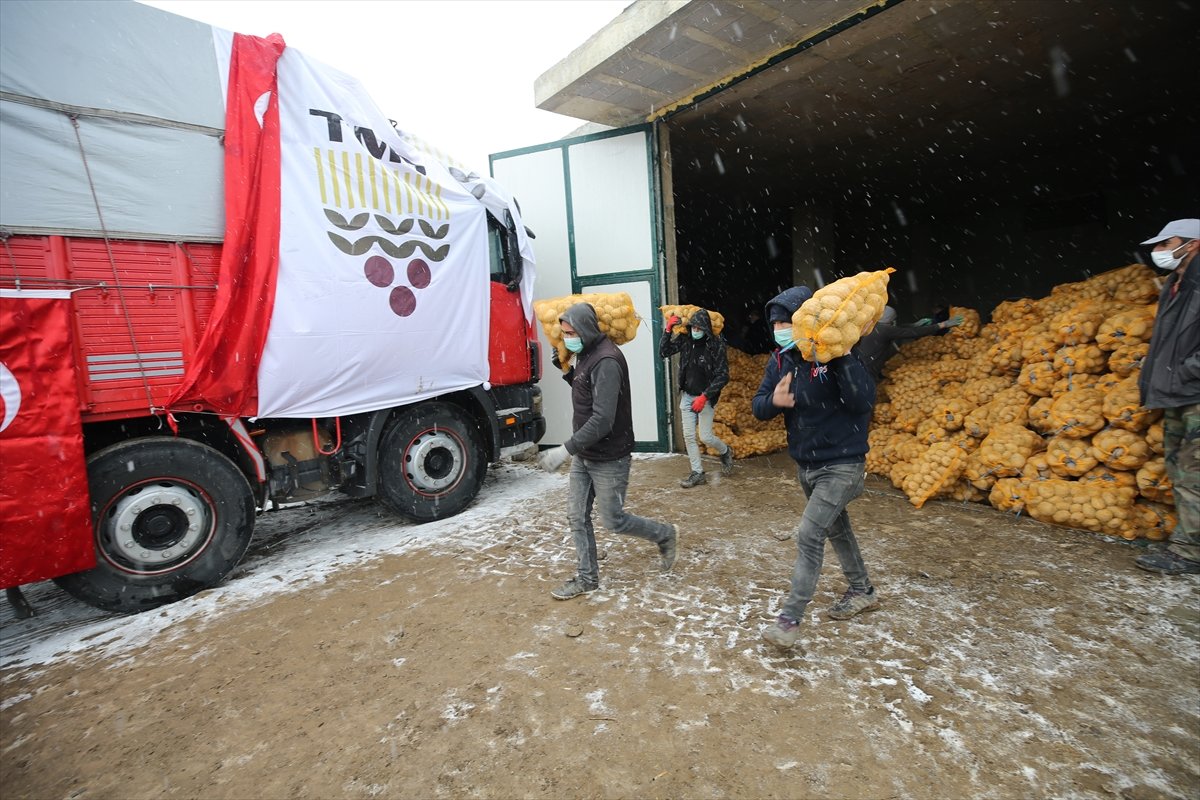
(1183, 228)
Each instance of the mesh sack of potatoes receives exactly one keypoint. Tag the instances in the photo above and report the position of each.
(966, 492)
(978, 422)
(1010, 405)
(1127, 358)
(1080, 323)
(929, 431)
(1038, 378)
(831, 322)
(1135, 283)
(934, 472)
(1039, 345)
(949, 369)
(1110, 477)
(952, 414)
(1153, 483)
(900, 472)
(1078, 414)
(1131, 326)
(1153, 521)
(1080, 358)
(970, 324)
(981, 390)
(1039, 415)
(902, 447)
(1089, 506)
(1007, 494)
(883, 413)
(979, 475)
(1019, 313)
(877, 461)
(1005, 357)
(1037, 468)
(1006, 448)
(1154, 437)
(685, 315)
(1120, 449)
(1123, 408)
(1068, 457)
(615, 313)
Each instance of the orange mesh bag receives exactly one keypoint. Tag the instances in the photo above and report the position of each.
(977, 474)
(877, 462)
(1153, 482)
(615, 313)
(970, 324)
(1153, 521)
(1080, 358)
(900, 472)
(685, 316)
(1132, 326)
(1005, 356)
(837, 315)
(1039, 345)
(1010, 405)
(1118, 448)
(1006, 448)
(1128, 358)
(1110, 477)
(936, 471)
(1037, 468)
(1020, 313)
(1154, 437)
(1079, 323)
(1039, 415)
(1135, 283)
(966, 492)
(1123, 408)
(930, 431)
(1078, 414)
(952, 414)
(1008, 494)
(1038, 378)
(1068, 457)
(977, 422)
(1089, 506)
(981, 390)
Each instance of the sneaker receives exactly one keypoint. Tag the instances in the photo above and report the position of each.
(573, 588)
(783, 633)
(695, 479)
(1168, 563)
(727, 460)
(666, 549)
(854, 602)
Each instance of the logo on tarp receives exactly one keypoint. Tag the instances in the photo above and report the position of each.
(403, 202)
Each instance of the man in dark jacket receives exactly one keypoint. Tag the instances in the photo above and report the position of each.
(827, 408)
(703, 373)
(601, 445)
(1170, 380)
(879, 345)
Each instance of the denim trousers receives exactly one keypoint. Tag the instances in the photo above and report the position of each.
(828, 489)
(1181, 451)
(688, 419)
(603, 484)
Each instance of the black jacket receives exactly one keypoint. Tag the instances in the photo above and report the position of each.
(878, 346)
(1171, 372)
(600, 393)
(703, 363)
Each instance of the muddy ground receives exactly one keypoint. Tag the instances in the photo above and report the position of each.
(1010, 659)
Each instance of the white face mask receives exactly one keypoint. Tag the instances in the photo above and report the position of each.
(1165, 259)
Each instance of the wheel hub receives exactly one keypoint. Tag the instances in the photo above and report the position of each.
(434, 461)
(157, 525)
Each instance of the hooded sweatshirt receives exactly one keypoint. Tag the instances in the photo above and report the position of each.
(828, 424)
(600, 395)
(703, 365)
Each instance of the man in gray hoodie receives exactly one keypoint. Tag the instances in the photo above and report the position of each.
(602, 444)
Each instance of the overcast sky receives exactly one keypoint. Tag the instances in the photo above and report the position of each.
(458, 73)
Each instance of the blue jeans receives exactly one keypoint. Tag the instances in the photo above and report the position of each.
(603, 483)
(829, 489)
(688, 420)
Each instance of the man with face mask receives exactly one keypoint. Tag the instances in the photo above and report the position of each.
(827, 408)
(879, 345)
(703, 373)
(601, 443)
(1170, 380)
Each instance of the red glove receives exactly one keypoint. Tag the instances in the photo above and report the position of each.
(699, 403)
(672, 321)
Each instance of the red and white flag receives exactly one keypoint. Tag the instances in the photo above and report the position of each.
(41, 442)
(355, 274)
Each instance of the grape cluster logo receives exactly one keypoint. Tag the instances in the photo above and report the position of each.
(410, 246)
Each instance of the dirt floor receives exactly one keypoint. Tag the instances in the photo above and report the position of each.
(1009, 659)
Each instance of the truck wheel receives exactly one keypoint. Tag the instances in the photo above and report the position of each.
(171, 517)
(431, 462)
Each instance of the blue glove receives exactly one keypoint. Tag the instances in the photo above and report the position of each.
(954, 321)
(924, 321)
(551, 460)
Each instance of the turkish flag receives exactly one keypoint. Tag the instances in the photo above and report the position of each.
(45, 515)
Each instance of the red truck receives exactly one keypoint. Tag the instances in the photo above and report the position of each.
(228, 282)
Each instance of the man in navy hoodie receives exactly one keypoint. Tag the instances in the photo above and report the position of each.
(827, 408)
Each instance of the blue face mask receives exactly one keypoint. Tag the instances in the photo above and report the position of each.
(783, 338)
(697, 334)
(573, 343)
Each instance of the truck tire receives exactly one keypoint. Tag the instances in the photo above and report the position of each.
(171, 517)
(431, 462)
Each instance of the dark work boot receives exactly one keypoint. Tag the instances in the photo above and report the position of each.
(695, 479)
(727, 460)
(1168, 563)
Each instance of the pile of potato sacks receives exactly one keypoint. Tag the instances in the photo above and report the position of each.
(1037, 411)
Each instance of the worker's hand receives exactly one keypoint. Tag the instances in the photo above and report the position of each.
(699, 403)
(782, 398)
(555, 360)
(924, 321)
(550, 460)
(672, 321)
(953, 322)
